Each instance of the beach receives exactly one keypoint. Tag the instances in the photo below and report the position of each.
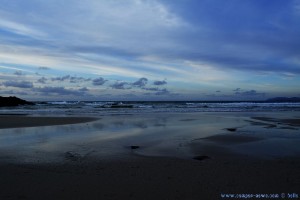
(149, 99)
(150, 156)
(19, 121)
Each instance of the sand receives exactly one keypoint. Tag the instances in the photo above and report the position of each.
(17, 121)
(134, 174)
(150, 178)
(289, 121)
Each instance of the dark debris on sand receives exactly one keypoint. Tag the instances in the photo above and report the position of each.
(201, 158)
(134, 147)
(72, 156)
(231, 129)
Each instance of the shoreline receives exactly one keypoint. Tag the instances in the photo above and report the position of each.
(27, 120)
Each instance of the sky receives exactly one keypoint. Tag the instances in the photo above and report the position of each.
(149, 49)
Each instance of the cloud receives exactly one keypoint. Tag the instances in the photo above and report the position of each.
(104, 50)
(75, 79)
(42, 80)
(84, 89)
(11, 92)
(240, 92)
(120, 85)
(60, 91)
(218, 91)
(43, 68)
(158, 91)
(250, 93)
(263, 38)
(18, 73)
(151, 89)
(20, 29)
(18, 84)
(160, 82)
(94, 25)
(71, 79)
(62, 78)
(163, 91)
(141, 82)
(99, 81)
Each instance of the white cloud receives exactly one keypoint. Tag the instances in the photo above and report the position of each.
(105, 22)
(136, 25)
(20, 29)
(14, 68)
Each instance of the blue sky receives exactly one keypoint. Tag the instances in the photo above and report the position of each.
(149, 49)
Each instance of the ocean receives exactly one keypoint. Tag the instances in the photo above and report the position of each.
(96, 108)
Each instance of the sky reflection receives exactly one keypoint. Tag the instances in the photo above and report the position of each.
(179, 135)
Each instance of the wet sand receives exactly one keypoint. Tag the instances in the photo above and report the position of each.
(18, 121)
(289, 121)
(172, 158)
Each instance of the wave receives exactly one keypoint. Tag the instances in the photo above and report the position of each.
(102, 108)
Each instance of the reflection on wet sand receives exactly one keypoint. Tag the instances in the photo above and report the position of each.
(173, 135)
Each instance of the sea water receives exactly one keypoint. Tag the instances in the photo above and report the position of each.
(97, 108)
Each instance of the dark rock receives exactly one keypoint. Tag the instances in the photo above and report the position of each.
(13, 101)
(201, 157)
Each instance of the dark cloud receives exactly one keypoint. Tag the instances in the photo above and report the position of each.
(42, 80)
(75, 79)
(71, 79)
(158, 91)
(160, 82)
(62, 78)
(43, 68)
(218, 91)
(18, 73)
(120, 85)
(99, 81)
(84, 89)
(18, 84)
(163, 91)
(240, 92)
(247, 44)
(141, 82)
(250, 93)
(60, 91)
(151, 89)
(11, 92)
